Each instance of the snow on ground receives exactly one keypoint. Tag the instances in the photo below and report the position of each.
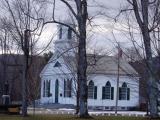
(91, 112)
(65, 109)
(120, 112)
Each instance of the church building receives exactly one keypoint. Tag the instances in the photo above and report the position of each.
(108, 77)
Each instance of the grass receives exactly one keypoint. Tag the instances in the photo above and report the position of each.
(66, 117)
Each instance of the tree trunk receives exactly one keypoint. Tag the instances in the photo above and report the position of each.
(25, 71)
(82, 58)
(82, 66)
(151, 82)
(24, 88)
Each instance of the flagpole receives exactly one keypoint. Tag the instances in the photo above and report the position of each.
(117, 93)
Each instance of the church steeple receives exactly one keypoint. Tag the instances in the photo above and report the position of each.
(64, 32)
(65, 44)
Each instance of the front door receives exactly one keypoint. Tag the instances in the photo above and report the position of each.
(56, 91)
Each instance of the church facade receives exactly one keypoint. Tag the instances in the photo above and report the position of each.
(109, 78)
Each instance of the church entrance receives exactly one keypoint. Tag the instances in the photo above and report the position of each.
(56, 91)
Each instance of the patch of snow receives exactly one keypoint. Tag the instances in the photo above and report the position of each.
(65, 109)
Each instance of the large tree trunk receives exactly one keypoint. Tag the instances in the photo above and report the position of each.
(82, 66)
(24, 87)
(152, 85)
(82, 58)
(25, 48)
(151, 82)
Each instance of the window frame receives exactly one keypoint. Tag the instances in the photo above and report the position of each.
(68, 88)
(47, 88)
(92, 90)
(124, 92)
(108, 91)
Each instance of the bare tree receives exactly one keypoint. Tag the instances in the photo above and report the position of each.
(143, 21)
(146, 14)
(3, 59)
(23, 30)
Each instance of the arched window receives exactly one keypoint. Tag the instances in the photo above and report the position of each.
(60, 33)
(124, 92)
(69, 33)
(107, 91)
(124, 85)
(67, 88)
(92, 90)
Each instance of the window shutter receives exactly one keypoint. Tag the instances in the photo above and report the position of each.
(70, 88)
(64, 88)
(112, 93)
(95, 92)
(49, 88)
(120, 93)
(69, 33)
(103, 92)
(44, 89)
(128, 93)
(60, 33)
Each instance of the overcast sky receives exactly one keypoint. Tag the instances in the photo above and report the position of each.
(102, 34)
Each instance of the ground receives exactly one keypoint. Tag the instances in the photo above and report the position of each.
(66, 117)
(70, 109)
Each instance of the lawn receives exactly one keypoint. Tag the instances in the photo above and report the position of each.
(66, 117)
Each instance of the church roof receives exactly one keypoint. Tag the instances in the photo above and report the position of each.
(102, 64)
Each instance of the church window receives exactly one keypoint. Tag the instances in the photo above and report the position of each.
(69, 33)
(124, 92)
(108, 91)
(60, 33)
(57, 64)
(46, 88)
(67, 88)
(92, 90)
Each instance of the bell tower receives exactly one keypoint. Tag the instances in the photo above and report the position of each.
(66, 42)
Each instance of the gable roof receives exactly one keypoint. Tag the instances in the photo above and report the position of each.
(99, 64)
(109, 65)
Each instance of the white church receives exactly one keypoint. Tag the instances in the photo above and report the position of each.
(59, 83)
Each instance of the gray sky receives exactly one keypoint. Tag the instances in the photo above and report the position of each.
(102, 34)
